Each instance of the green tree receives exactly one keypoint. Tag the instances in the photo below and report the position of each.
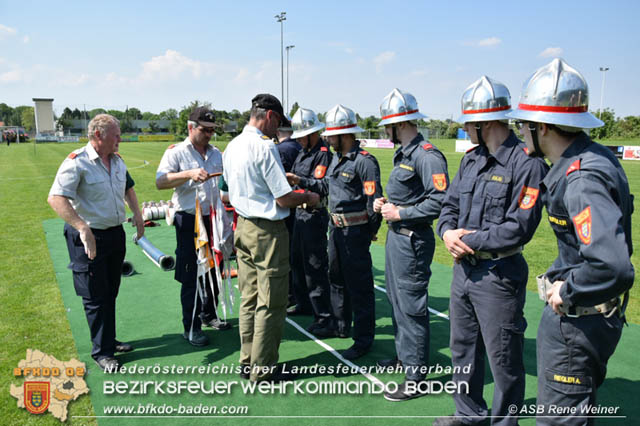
(133, 114)
(606, 131)
(294, 108)
(5, 113)
(452, 129)
(28, 119)
(150, 116)
(95, 112)
(117, 114)
(170, 114)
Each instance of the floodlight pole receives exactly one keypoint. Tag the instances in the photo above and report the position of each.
(288, 49)
(281, 17)
(604, 71)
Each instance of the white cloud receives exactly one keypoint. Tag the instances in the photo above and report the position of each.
(551, 52)
(172, 65)
(485, 42)
(382, 59)
(6, 31)
(10, 76)
(26, 39)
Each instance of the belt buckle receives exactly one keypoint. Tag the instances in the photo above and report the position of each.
(568, 314)
(338, 221)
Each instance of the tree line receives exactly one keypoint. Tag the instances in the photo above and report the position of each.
(23, 116)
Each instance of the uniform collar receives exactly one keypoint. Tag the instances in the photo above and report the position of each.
(193, 148)
(354, 151)
(560, 168)
(408, 150)
(503, 153)
(91, 152)
(252, 129)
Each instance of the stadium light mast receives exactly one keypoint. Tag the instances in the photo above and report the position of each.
(288, 49)
(604, 71)
(281, 17)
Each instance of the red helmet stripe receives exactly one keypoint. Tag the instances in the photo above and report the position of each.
(479, 111)
(399, 114)
(342, 127)
(547, 108)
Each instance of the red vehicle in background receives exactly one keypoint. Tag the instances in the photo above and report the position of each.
(10, 135)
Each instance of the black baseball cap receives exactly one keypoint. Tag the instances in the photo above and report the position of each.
(203, 116)
(270, 102)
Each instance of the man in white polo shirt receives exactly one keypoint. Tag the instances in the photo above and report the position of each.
(259, 191)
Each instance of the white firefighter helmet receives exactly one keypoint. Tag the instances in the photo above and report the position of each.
(305, 122)
(556, 94)
(399, 106)
(340, 121)
(485, 100)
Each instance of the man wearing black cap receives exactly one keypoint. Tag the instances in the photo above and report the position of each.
(185, 167)
(259, 191)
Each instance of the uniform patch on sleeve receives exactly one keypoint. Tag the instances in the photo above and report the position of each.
(526, 150)
(171, 146)
(265, 137)
(528, 197)
(427, 146)
(324, 149)
(370, 187)
(582, 222)
(573, 167)
(439, 181)
(72, 155)
(363, 152)
(319, 171)
(406, 167)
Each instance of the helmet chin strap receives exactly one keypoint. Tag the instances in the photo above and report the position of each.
(394, 135)
(537, 151)
(481, 141)
(340, 144)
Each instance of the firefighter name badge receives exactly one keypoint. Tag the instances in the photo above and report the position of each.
(36, 396)
(528, 197)
(582, 222)
(319, 171)
(439, 181)
(370, 187)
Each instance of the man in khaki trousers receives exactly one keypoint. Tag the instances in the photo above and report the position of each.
(259, 192)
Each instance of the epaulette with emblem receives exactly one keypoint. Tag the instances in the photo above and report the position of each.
(265, 137)
(427, 146)
(363, 152)
(72, 155)
(573, 167)
(171, 146)
(526, 150)
(324, 149)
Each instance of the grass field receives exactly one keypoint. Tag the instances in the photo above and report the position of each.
(32, 314)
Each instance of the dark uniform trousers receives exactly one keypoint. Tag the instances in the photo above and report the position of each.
(351, 280)
(408, 260)
(572, 359)
(486, 311)
(310, 263)
(97, 281)
(187, 273)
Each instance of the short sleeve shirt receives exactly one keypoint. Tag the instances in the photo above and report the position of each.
(255, 176)
(184, 156)
(95, 193)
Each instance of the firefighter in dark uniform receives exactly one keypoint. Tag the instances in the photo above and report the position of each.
(89, 192)
(587, 197)
(353, 183)
(490, 212)
(415, 190)
(309, 260)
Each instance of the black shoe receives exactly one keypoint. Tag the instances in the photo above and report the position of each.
(296, 311)
(355, 352)
(389, 362)
(314, 326)
(451, 420)
(405, 392)
(123, 347)
(216, 324)
(108, 364)
(325, 331)
(245, 371)
(198, 338)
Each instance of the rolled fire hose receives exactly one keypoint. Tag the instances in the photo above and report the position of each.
(166, 263)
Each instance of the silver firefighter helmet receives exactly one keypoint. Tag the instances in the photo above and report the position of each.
(485, 100)
(305, 122)
(399, 106)
(341, 120)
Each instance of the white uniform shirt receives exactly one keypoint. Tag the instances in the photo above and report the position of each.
(255, 176)
(96, 194)
(183, 156)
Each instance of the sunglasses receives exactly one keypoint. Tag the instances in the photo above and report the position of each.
(521, 124)
(207, 130)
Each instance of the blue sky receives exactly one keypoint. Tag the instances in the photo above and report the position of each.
(159, 55)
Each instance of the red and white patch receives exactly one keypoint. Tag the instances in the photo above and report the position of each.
(439, 181)
(72, 155)
(324, 149)
(528, 197)
(320, 171)
(573, 167)
(364, 152)
(582, 222)
(171, 146)
(369, 187)
(427, 146)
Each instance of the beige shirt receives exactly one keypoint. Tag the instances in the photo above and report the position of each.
(96, 194)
